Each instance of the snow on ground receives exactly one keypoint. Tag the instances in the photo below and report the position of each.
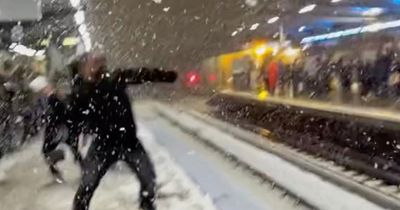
(26, 184)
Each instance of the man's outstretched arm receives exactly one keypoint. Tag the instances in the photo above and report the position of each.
(143, 75)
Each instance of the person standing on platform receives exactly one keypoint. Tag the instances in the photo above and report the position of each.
(57, 121)
(273, 76)
(102, 101)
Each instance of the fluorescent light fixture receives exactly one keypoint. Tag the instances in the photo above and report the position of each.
(273, 20)
(70, 41)
(234, 33)
(374, 11)
(254, 26)
(79, 17)
(87, 42)
(335, 1)
(13, 45)
(88, 45)
(21, 49)
(40, 53)
(82, 29)
(302, 28)
(75, 3)
(305, 47)
(353, 31)
(307, 8)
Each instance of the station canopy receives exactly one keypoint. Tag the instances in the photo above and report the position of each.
(169, 32)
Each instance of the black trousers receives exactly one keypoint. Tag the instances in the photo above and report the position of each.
(51, 142)
(101, 157)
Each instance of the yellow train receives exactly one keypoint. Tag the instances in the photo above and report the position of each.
(243, 70)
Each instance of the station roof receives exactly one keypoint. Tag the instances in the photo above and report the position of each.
(182, 32)
(169, 32)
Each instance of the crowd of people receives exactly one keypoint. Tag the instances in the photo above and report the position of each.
(343, 76)
(20, 112)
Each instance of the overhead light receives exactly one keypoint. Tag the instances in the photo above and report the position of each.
(335, 1)
(13, 45)
(75, 3)
(70, 41)
(273, 20)
(302, 28)
(85, 36)
(307, 8)
(21, 49)
(82, 29)
(374, 11)
(40, 53)
(234, 33)
(45, 43)
(352, 31)
(254, 26)
(261, 50)
(305, 47)
(87, 42)
(79, 17)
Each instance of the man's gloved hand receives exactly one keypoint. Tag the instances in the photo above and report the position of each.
(38, 84)
(165, 76)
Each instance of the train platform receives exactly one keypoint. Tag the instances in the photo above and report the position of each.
(26, 184)
(364, 113)
(190, 177)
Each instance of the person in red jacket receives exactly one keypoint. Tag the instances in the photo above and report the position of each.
(273, 71)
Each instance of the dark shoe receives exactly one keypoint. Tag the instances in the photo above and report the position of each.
(55, 156)
(147, 205)
(56, 174)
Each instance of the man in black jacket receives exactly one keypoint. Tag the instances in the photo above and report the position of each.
(102, 102)
(58, 121)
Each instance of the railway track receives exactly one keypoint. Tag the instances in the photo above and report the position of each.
(385, 195)
(376, 190)
(366, 187)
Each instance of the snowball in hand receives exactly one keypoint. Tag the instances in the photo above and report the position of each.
(38, 84)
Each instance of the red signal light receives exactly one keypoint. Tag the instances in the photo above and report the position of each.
(212, 77)
(193, 79)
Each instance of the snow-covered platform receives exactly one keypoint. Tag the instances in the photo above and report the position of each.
(25, 183)
(190, 176)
